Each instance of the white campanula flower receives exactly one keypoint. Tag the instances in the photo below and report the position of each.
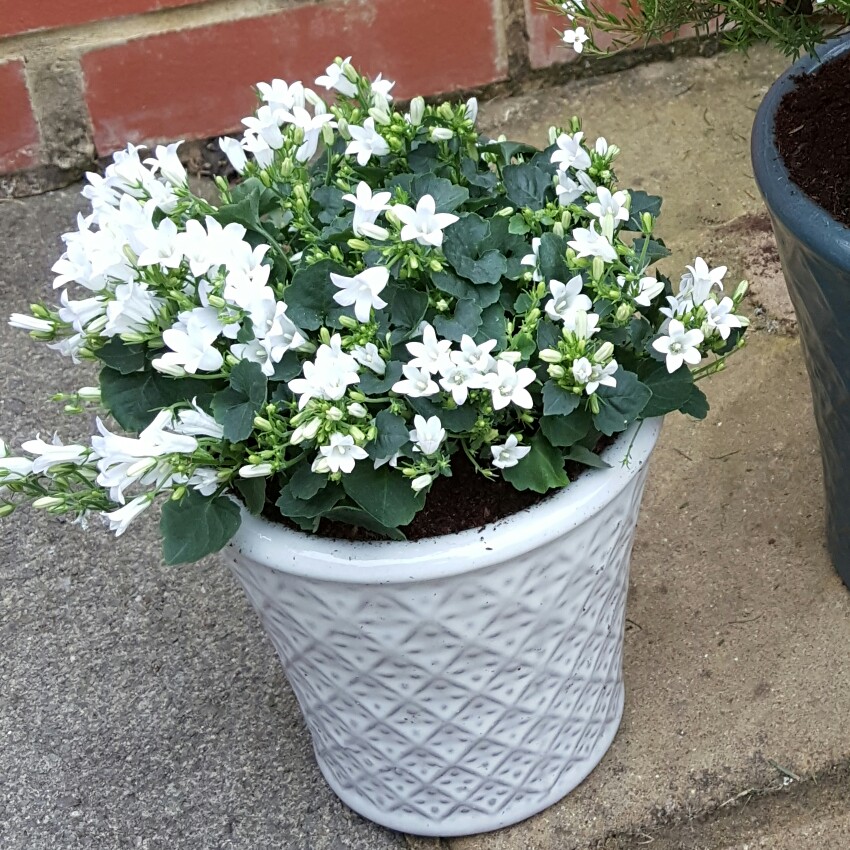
(586, 242)
(592, 375)
(127, 172)
(328, 376)
(259, 148)
(235, 153)
(162, 246)
(339, 455)
(369, 356)
(25, 322)
(366, 142)
(334, 78)
(431, 354)
(509, 454)
(265, 124)
(458, 379)
(257, 351)
(475, 356)
(679, 346)
(470, 111)
(281, 333)
(134, 309)
(69, 347)
(721, 318)
(367, 206)
(508, 385)
(195, 422)
(167, 163)
(362, 291)
(195, 245)
(205, 480)
(677, 307)
(280, 96)
(54, 454)
(533, 259)
(416, 383)
(381, 89)
(120, 519)
(101, 191)
(311, 125)
(567, 189)
(427, 435)
(576, 39)
(570, 153)
(648, 289)
(609, 204)
(580, 323)
(423, 224)
(191, 343)
(12, 468)
(699, 281)
(566, 299)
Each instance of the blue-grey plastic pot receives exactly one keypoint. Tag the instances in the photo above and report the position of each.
(815, 253)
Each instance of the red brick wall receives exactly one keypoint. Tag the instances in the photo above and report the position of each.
(80, 78)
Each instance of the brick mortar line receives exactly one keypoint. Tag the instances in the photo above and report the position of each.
(80, 38)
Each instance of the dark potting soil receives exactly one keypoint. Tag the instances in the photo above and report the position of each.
(812, 132)
(466, 500)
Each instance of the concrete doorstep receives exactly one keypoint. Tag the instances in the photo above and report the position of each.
(143, 708)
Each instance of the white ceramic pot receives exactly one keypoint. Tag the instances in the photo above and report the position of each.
(462, 683)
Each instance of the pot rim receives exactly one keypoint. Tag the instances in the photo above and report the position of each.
(395, 562)
(786, 201)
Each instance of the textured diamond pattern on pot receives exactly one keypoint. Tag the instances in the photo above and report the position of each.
(463, 695)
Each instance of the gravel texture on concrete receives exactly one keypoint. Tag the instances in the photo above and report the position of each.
(141, 707)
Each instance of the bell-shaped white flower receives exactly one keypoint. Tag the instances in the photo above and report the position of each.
(699, 281)
(679, 346)
(587, 242)
(362, 291)
(576, 39)
(566, 299)
(367, 206)
(167, 163)
(509, 453)
(54, 454)
(339, 455)
(508, 385)
(416, 383)
(570, 153)
(119, 520)
(369, 356)
(432, 354)
(366, 142)
(423, 224)
(427, 434)
(335, 78)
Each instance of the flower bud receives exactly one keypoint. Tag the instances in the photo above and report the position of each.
(558, 229)
(604, 352)
(551, 355)
(510, 357)
(373, 231)
(556, 372)
(140, 467)
(89, 393)
(262, 424)
(435, 265)
(740, 291)
(417, 111)
(46, 502)
(441, 134)
(380, 116)
(358, 435)
(334, 414)
(168, 369)
(216, 301)
(349, 322)
(259, 470)
(321, 465)
(623, 313)
(553, 135)
(421, 482)
(505, 212)
(348, 69)
(6, 510)
(371, 434)
(646, 223)
(597, 268)
(342, 129)
(97, 325)
(327, 134)
(357, 410)
(358, 245)
(471, 111)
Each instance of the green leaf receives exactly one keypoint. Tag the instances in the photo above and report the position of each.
(134, 400)
(372, 384)
(582, 454)
(493, 326)
(451, 284)
(540, 470)
(197, 526)
(406, 306)
(329, 201)
(245, 212)
(287, 368)
(518, 225)
(456, 420)
(697, 405)
(669, 391)
(383, 493)
(566, 430)
(463, 249)
(236, 406)
(511, 246)
(392, 434)
(447, 196)
(527, 185)
(655, 250)
(310, 296)
(253, 491)
(317, 505)
(508, 150)
(466, 320)
(641, 202)
(557, 401)
(483, 179)
(304, 483)
(619, 406)
(360, 519)
(553, 258)
(122, 356)
(548, 335)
